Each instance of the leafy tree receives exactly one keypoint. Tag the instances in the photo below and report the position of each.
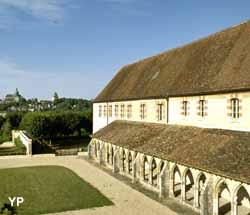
(2, 120)
(14, 118)
(50, 125)
(56, 97)
(6, 130)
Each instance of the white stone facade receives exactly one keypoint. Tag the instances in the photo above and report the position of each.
(217, 111)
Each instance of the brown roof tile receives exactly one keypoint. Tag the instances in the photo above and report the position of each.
(222, 152)
(217, 63)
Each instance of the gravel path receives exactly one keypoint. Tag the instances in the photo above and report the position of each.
(127, 201)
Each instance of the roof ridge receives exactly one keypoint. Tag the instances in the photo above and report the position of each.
(189, 43)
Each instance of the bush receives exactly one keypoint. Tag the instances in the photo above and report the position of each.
(2, 120)
(14, 118)
(49, 125)
(6, 132)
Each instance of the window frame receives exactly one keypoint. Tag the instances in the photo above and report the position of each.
(143, 111)
(122, 111)
(110, 110)
(185, 107)
(129, 111)
(160, 108)
(202, 103)
(100, 111)
(235, 108)
(116, 111)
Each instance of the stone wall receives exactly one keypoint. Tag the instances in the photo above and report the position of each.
(25, 140)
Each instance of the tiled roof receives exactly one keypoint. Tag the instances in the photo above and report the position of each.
(217, 63)
(222, 152)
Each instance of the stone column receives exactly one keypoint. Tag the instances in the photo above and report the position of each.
(100, 153)
(120, 161)
(142, 169)
(216, 205)
(234, 205)
(196, 195)
(150, 175)
(171, 185)
(203, 202)
(115, 167)
(134, 171)
(183, 189)
(89, 150)
(162, 182)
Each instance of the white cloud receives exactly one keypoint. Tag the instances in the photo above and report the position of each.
(43, 84)
(51, 10)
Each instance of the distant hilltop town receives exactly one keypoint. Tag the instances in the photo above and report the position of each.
(9, 98)
(17, 102)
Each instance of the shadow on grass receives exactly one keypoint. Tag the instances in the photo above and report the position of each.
(7, 209)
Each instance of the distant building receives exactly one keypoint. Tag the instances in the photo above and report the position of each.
(9, 98)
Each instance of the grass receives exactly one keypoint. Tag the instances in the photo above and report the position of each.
(48, 189)
(20, 149)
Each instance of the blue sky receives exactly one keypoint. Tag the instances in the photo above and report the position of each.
(75, 47)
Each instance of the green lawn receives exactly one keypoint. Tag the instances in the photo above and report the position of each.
(48, 189)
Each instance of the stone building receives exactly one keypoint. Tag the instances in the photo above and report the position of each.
(178, 123)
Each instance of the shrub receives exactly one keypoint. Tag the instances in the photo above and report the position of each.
(49, 125)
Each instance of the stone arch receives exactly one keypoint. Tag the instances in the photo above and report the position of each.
(112, 155)
(199, 184)
(188, 180)
(123, 159)
(161, 166)
(242, 200)
(154, 171)
(96, 148)
(176, 174)
(223, 196)
(107, 153)
(130, 163)
(145, 168)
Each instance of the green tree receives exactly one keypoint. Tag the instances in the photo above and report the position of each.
(2, 120)
(6, 130)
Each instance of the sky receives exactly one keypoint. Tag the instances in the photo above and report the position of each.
(75, 47)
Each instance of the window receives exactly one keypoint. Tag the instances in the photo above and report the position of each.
(116, 111)
(110, 110)
(122, 111)
(235, 108)
(184, 108)
(202, 108)
(160, 108)
(100, 111)
(129, 111)
(143, 111)
(105, 110)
